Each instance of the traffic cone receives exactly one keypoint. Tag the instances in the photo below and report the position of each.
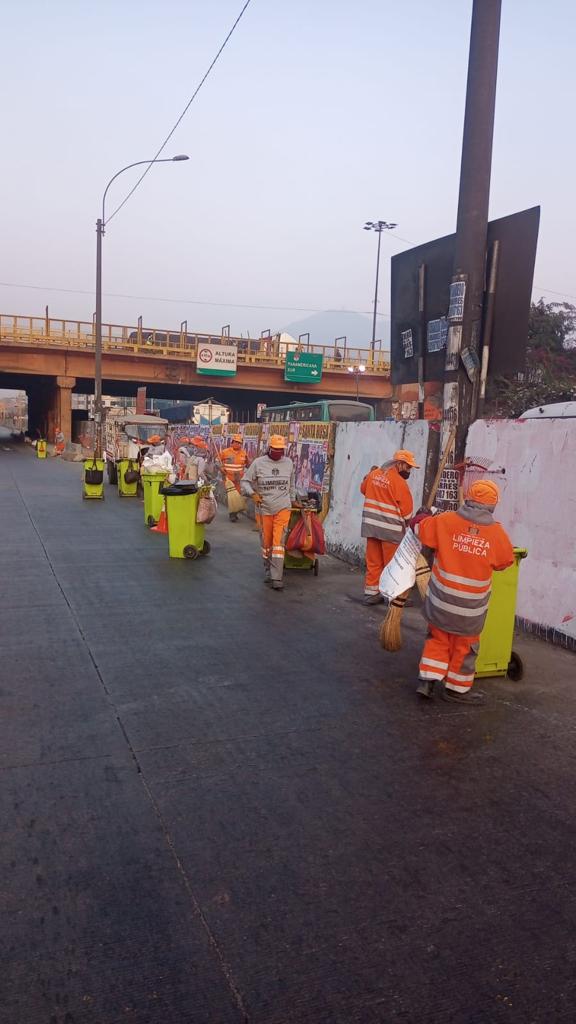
(162, 524)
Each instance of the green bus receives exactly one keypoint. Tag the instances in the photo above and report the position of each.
(330, 410)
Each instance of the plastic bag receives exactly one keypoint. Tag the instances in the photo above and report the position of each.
(400, 574)
(207, 509)
(306, 535)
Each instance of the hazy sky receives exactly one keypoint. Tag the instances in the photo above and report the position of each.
(320, 114)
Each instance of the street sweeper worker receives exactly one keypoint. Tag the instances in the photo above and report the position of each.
(233, 461)
(387, 505)
(469, 545)
(270, 482)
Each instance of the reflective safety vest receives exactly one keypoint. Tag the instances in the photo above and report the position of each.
(466, 554)
(388, 503)
(234, 463)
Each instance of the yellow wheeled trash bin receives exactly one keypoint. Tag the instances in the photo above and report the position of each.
(93, 479)
(495, 656)
(185, 535)
(153, 499)
(128, 475)
(41, 449)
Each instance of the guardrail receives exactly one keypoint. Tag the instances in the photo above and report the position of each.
(140, 341)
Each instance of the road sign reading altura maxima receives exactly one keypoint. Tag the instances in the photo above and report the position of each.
(217, 360)
(303, 367)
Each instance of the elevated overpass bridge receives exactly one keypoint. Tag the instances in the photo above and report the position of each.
(50, 359)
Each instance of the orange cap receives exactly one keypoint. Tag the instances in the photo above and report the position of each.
(238, 438)
(154, 439)
(276, 441)
(402, 455)
(184, 440)
(199, 442)
(484, 492)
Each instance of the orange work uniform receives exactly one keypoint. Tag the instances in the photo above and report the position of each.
(468, 547)
(387, 504)
(234, 463)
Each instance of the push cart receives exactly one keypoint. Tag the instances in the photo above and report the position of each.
(496, 657)
(301, 560)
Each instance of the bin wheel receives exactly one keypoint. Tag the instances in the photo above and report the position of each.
(150, 521)
(515, 667)
(316, 567)
(190, 551)
(205, 548)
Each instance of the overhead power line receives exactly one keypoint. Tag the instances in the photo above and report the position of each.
(183, 114)
(190, 302)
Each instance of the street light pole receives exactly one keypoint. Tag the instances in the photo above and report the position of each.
(357, 370)
(100, 228)
(379, 226)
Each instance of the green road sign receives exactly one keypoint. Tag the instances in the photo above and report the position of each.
(303, 367)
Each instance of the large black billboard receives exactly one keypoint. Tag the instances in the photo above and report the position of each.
(517, 235)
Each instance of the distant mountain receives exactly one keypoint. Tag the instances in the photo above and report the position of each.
(325, 327)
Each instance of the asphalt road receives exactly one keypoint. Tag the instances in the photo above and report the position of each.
(222, 804)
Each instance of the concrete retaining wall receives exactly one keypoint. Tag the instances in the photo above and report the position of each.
(358, 447)
(538, 508)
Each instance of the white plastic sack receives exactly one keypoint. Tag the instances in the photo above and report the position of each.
(157, 462)
(400, 574)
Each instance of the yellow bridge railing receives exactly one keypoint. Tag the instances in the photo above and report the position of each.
(141, 341)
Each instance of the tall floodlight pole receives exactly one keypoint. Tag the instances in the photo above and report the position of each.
(379, 226)
(100, 228)
(468, 272)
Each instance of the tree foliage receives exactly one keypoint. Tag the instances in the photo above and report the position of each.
(550, 371)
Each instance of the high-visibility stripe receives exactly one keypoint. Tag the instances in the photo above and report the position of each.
(458, 689)
(458, 678)
(428, 673)
(464, 594)
(278, 551)
(455, 608)
(433, 663)
(397, 527)
(381, 505)
(369, 591)
(465, 580)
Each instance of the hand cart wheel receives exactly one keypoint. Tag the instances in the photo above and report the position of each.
(515, 667)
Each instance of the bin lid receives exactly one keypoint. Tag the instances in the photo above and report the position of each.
(179, 488)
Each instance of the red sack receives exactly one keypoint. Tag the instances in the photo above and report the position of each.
(318, 536)
(307, 536)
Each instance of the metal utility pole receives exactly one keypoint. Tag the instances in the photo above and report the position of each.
(379, 226)
(468, 275)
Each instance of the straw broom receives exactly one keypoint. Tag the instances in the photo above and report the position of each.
(391, 629)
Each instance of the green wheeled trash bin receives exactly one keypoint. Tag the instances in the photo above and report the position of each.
(128, 476)
(185, 535)
(93, 479)
(41, 448)
(153, 500)
(495, 656)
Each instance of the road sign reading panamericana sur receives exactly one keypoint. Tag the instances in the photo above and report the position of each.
(303, 367)
(217, 360)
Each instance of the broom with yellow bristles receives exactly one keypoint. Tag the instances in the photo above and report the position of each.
(390, 631)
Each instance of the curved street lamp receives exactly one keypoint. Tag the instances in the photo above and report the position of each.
(100, 228)
(379, 226)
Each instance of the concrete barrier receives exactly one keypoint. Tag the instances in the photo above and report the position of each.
(358, 447)
(537, 507)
